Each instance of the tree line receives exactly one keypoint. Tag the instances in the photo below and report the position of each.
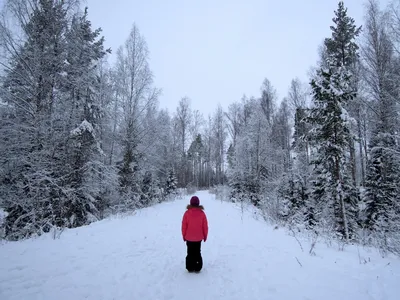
(82, 139)
(326, 159)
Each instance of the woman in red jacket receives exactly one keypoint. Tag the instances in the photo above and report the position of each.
(194, 230)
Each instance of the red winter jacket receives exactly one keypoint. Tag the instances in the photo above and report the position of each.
(194, 224)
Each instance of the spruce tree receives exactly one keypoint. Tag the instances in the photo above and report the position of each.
(31, 88)
(148, 190)
(334, 192)
(344, 51)
(85, 50)
(382, 183)
(171, 184)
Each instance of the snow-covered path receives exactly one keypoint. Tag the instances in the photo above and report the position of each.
(142, 257)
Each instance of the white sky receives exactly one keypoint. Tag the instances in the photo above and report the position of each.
(214, 51)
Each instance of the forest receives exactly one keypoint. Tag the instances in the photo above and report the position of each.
(82, 139)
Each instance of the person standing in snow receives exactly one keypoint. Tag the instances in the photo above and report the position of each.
(194, 230)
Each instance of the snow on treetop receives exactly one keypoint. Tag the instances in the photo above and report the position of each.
(84, 126)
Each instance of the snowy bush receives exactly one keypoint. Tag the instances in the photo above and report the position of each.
(222, 192)
(191, 189)
(171, 185)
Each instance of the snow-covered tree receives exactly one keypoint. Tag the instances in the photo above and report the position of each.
(332, 189)
(196, 154)
(255, 161)
(135, 95)
(31, 87)
(53, 85)
(164, 157)
(171, 185)
(218, 146)
(334, 193)
(84, 114)
(182, 121)
(383, 168)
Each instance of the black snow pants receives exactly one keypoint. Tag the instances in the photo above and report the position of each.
(194, 261)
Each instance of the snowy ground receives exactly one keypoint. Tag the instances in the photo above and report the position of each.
(142, 257)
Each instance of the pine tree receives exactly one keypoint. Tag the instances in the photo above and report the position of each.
(344, 51)
(382, 182)
(149, 190)
(293, 193)
(129, 174)
(230, 154)
(333, 187)
(171, 184)
(84, 54)
(341, 48)
(334, 191)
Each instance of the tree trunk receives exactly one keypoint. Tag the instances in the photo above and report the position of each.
(353, 165)
(361, 152)
(344, 216)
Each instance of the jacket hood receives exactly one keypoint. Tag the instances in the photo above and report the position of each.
(191, 206)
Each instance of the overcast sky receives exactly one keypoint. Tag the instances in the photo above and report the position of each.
(214, 51)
